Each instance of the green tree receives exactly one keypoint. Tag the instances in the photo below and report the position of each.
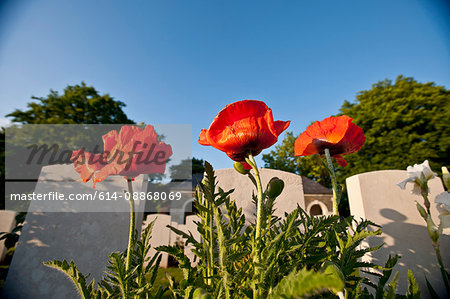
(186, 169)
(405, 123)
(282, 158)
(79, 104)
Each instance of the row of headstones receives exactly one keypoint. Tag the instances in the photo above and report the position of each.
(89, 237)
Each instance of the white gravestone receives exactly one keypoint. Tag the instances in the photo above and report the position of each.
(191, 228)
(288, 200)
(227, 179)
(85, 237)
(160, 235)
(376, 197)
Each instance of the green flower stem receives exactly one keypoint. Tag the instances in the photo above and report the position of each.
(256, 250)
(435, 241)
(132, 220)
(426, 201)
(441, 265)
(333, 181)
(222, 251)
(211, 243)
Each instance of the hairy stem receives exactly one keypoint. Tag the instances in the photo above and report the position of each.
(256, 250)
(426, 201)
(211, 243)
(441, 265)
(333, 181)
(132, 225)
(222, 252)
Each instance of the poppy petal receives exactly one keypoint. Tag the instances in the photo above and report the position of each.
(338, 134)
(203, 140)
(127, 133)
(109, 169)
(242, 128)
(131, 152)
(341, 161)
(86, 164)
(354, 139)
(280, 126)
(246, 165)
(332, 129)
(110, 140)
(304, 146)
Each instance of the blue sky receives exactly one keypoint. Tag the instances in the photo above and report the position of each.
(182, 61)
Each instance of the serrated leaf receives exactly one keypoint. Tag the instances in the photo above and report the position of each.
(306, 283)
(413, 287)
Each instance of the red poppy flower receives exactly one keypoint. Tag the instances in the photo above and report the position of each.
(338, 134)
(131, 152)
(242, 128)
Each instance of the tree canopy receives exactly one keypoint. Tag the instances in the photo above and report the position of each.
(405, 123)
(186, 169)
(79, 104)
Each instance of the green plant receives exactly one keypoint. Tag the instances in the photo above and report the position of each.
(305, 254)
(135, 282)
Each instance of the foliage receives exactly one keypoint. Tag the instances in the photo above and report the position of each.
(415, 129)
(12, 237)
(80, 104)
(283, 158)
(296, 250)
(186, 168)
(302, 256)
(138, 282)
(10, 240)
(306, 282)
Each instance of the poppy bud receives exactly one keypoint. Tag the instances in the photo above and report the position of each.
(432, 230)
(446, 177)
(275, 187)
(422, 211)
(240, 168)
(200, 293)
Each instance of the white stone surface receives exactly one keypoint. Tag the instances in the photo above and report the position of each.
(375, 196)
(87, 238)
(291, 196)
(191, 228)
(7, 224)
(160, 235)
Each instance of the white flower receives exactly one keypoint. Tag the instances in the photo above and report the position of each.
(419, 174)
(446, 177)
(443, 205)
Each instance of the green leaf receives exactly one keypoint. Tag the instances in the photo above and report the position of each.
(413, 287)
(306, 283)
(390, 292)
(75, 275)
(431, 290)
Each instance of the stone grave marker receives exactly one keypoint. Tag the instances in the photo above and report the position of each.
(375, 196)
(191, 228)
(67, 230)
(291, 196)
(160, 235)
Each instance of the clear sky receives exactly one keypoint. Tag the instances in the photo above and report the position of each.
(182, 61)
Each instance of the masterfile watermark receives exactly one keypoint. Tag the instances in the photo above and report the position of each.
(54, 155)
(50, 168)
